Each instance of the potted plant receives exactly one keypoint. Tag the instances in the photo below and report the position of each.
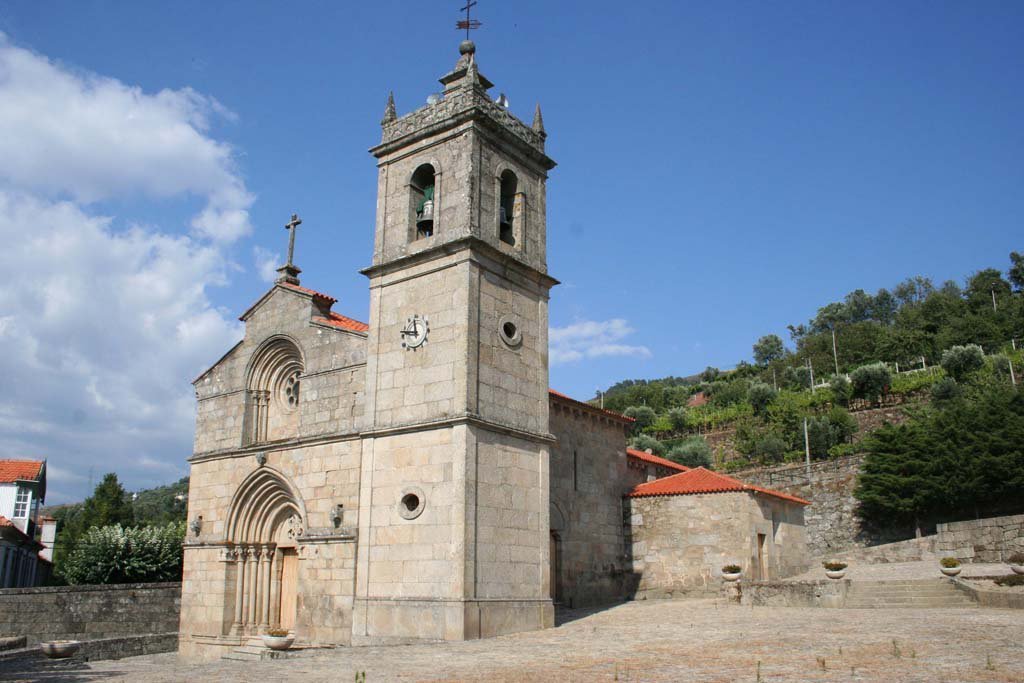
(1016, 562)
(60, 649)
(834, 569)
(950, 566)
(731, 572)
(278, 639)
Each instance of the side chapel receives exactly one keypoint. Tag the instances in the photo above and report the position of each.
(413, 477)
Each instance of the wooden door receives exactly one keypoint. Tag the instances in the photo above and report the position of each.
(762, 565)
(289, 586)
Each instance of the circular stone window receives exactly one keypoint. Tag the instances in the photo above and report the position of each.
(509, 331)
(291, 389)
(410, 506)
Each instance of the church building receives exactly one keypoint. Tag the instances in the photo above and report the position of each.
(413, 477)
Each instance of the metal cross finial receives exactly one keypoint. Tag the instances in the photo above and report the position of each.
(467, 23)
(290, 227)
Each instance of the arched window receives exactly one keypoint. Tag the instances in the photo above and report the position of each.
(422, 197)
(507, 208)
(273, 392)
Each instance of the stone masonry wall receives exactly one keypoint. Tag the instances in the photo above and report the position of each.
(89, 612)
(982, 540)
(831, 520)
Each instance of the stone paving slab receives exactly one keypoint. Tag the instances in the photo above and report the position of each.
(685, 641)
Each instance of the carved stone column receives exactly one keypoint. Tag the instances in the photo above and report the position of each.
(254, 590)
(239, 558)
(265, 559)
(275, 589)
(247, 569)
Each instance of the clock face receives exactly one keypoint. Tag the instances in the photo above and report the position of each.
(414, 333)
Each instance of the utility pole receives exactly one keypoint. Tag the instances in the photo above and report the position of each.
(807, 450)
(992, 289)
(775, 384)
(811, 366)
(1013, 380)
(835, 354)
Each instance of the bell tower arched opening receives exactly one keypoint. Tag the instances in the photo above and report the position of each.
(422, 190)
(507, 208)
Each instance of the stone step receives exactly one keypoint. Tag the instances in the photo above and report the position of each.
(885, 605)
(12, 643)
(910, 602)
(901, 594)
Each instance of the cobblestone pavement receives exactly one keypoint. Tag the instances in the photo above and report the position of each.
(904, 571)
(696, 640)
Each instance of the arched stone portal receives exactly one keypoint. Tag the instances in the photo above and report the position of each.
(265, 520)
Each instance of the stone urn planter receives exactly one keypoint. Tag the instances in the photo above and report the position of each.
(1017, 568)
(835, 570)
(1016, 562)
(950, 566)
(731, 572)
(60, 649)
(276, 641)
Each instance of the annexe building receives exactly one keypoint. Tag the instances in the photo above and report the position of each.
(413, 477)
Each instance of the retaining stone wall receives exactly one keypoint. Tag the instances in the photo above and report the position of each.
(90, 612)
(982, 540)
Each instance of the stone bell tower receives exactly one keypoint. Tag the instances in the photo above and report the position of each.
(453, 523)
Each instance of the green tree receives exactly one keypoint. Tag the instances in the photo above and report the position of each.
(643, 416)
(842, 390)
(710, 374)
(768, 348)
(960, 362)
(760, 396)
(871, 381)
(677, 416)
(693, 452)
(946, 389)
(643, 442)
(1016, 272)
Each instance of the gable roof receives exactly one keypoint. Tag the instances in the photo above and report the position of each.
(20, 470)
(655, 460)
(580, 404)
(701, 480)
(11, 529)
(312, 292)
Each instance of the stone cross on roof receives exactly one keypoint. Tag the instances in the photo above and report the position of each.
(289, 272)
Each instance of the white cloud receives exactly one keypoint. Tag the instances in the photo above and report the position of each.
(592, 339)
(266, 263)
(87, 137)
(104, 321)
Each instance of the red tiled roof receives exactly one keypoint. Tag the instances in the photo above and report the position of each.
(656, 460)
(697, 400)
(343, 322)
(702, 480)
(5, 522)
(581, 404)
(8, 524)
(315, 294)
(19, 470)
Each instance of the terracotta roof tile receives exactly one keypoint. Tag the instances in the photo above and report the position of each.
(701, 480)
(19, 470)
(655, 460)
(343, 322)
(581, 404)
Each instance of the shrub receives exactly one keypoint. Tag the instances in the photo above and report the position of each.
(677, 418)
(870, 381)
(834, 566)
(725, 394)
(843, 449)
(693, 452)
(642, 442)
(841, 389)
(797, 378)
(277, 632)
(959, 362)
(710, 374)
(1016, 558)
(760, 396)
(949, 562)
(643, 416)
(113, 554)
(946, 389)
(732, 569)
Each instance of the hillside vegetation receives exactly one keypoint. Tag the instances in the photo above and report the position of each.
(894, 346)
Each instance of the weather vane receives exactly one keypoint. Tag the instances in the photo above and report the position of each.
(467, 23)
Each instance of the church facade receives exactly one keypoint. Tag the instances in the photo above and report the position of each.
(413, 477)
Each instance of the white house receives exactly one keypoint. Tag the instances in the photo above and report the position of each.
(22, 490)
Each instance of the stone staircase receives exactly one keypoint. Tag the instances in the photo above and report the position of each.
(908, 593)
(254, 650)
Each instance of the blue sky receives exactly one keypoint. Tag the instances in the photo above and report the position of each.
(724, 170)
